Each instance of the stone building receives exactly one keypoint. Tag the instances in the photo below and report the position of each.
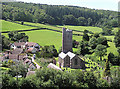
(66, 57)
(71, 60)
(66, 40)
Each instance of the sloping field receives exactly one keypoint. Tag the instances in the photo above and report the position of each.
(82, 28)
(10, 26)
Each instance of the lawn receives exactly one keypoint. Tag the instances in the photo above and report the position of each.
(10, 26)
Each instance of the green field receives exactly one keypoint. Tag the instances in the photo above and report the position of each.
(10, 26)
(82, 28)
(46, 37)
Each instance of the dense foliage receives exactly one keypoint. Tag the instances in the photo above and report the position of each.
(49, 78)
(55, 14)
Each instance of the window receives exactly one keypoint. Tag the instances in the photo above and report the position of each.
(76, 62)
(67, 61)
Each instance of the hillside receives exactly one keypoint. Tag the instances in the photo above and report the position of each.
(58, 15)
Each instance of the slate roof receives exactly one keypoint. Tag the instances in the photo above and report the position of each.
(31, 43)
(17, 51)
(19, 43)
(13, 56)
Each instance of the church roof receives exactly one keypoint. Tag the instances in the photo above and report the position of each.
(70, 54)
(62, 55)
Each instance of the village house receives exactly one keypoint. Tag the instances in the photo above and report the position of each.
(17, 45)
(71, 60)
(30, 47)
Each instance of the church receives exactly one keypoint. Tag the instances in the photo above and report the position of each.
(67, 58)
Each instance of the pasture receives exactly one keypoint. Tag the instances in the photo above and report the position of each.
(82, 28)
(10, 26)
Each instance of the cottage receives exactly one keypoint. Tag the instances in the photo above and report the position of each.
(71, 60)
(17, 45)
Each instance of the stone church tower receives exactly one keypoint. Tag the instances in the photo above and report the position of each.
(66, 40)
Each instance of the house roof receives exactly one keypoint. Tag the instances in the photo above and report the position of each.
(19, 43)
(53, 66)
(27, 60)
(31, 43)
(70, 54)
(13, 56)
(17, 51)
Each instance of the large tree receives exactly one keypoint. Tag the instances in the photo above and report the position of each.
(100, 51)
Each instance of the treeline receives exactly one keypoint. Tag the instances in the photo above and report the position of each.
(58, 14)
(53, 79)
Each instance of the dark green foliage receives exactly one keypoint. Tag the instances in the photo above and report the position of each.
(114, 60)
(85, 37)
(83, 48)
(8, 82)
(55, 14)
(82, 21)
(96, 35)
(18, 69)
(100, 51)
(117, 39)
(27, 84)
(107, 31)
(15, 36)
(93, 42)
(47, 51)
(107, 69)
(75, 44)
(5, 42)
(115, 84)
(69, 20)
(102, 40)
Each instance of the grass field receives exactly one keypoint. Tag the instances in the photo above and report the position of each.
(10, 26)
(45, 37)
(82, 28)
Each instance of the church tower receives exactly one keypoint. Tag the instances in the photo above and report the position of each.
(66, 40)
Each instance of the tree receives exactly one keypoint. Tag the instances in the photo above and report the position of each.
(100, 51)
(102, 40)
(82, 21)
(93, 42)
(96, 35)
(118, 49)
(107, 68)
(5, 42)
(85, 37)
(15, 36)
(117, 39)
(18, 69)
(83, 48)
(69, 20)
